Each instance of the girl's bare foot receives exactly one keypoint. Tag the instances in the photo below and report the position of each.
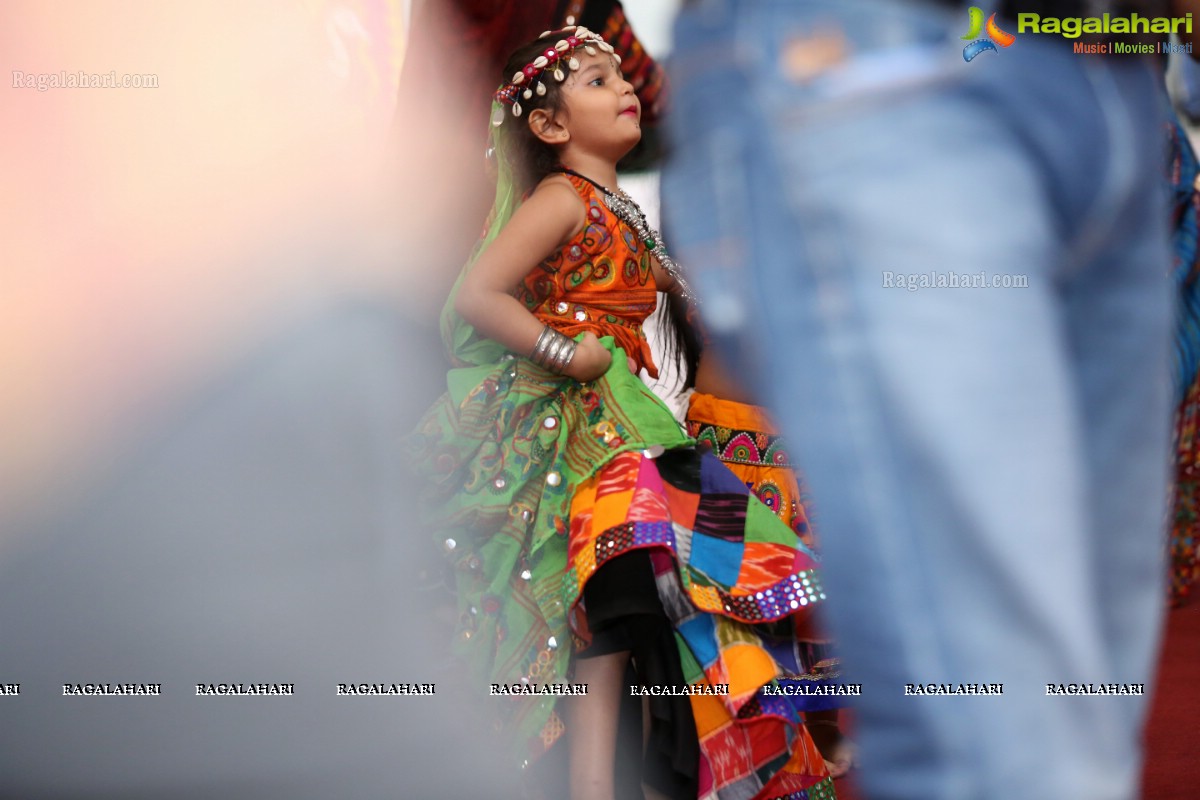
(835, 748)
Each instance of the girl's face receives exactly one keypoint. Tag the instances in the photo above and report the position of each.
(603, 114)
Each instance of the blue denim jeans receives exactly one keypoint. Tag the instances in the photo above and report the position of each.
(988, 465)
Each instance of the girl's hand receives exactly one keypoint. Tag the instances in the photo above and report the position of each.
(591, 359)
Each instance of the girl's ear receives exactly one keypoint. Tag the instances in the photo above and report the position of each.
(548, 127)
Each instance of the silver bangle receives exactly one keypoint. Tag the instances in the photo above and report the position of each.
(555, 347)
(553, 350)
(540, 348)
(568, 355)
(558, 350)
(563, 355)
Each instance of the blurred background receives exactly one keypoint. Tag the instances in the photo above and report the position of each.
(218, 304)
(210, 352)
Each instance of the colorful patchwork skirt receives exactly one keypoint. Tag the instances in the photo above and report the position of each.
(746, 440)
(535, 481)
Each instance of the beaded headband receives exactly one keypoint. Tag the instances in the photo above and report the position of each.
(531, 78)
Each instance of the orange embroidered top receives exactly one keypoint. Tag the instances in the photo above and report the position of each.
(600, 281)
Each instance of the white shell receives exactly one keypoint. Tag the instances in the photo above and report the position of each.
(571, 19)
(591, 51)
(497, 117)
(606, 47)
(518, 79)
(540, 62)
(617, 57)
(573, 63)
(570, 27)
(544, 34)
(528, 93)
(516, 109)
(559, 74)
(541, 88)
(561, 45)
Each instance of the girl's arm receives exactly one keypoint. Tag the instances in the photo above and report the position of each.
(543, 223)
(663, 280)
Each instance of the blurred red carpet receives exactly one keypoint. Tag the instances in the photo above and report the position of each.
(846, 790)
(1172, 770)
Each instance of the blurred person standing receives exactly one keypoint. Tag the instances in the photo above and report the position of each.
(205, 371)
(948, 276)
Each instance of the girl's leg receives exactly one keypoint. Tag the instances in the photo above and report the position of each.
(592, 726)
(835, 748)
(649, 792)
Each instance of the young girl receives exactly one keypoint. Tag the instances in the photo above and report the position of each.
(585, 529)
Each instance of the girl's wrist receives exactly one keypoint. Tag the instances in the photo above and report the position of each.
(553, 350)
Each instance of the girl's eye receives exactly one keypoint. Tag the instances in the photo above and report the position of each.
(597, 81)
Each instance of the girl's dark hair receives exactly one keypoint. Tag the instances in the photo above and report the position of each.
(682, 340)
(531, 160)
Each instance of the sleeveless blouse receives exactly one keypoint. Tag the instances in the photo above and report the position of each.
(599, 281)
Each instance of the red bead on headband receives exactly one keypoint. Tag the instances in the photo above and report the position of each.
(530, 79)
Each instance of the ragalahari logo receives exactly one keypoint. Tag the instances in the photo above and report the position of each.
(994, 34)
